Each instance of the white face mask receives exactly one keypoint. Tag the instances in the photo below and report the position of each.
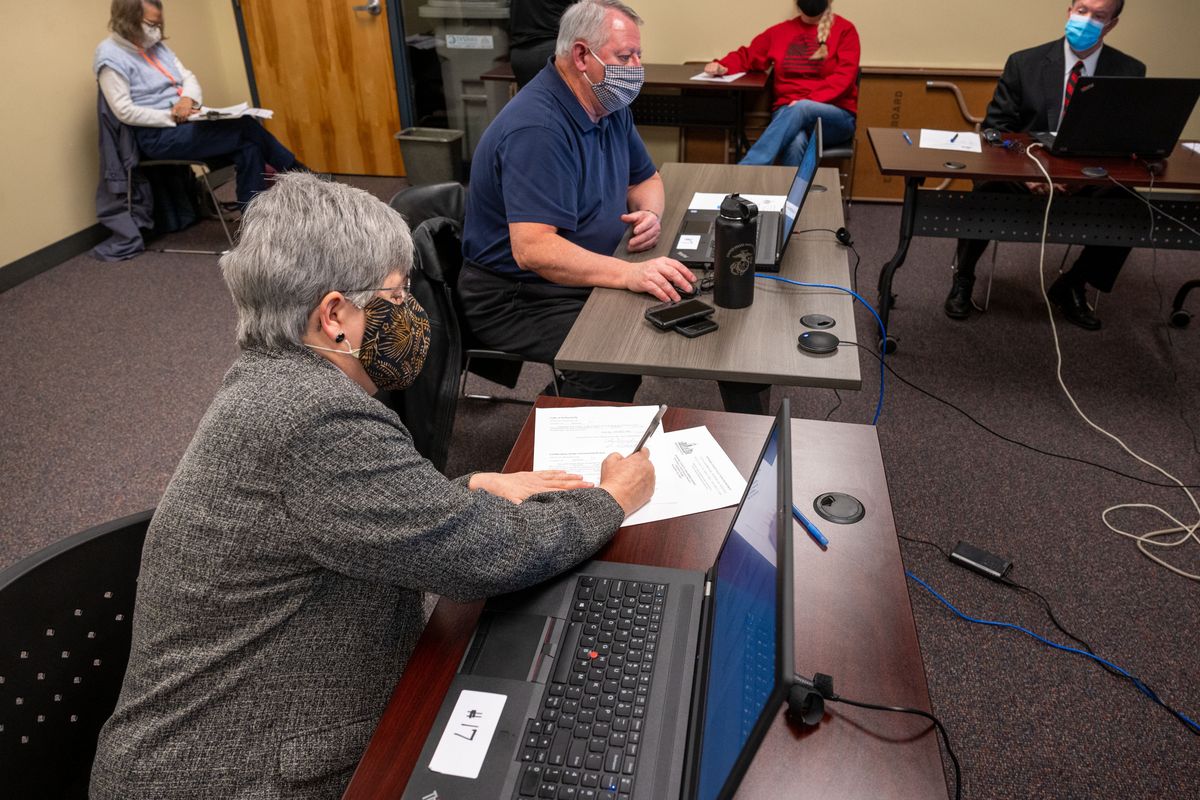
(151, 34)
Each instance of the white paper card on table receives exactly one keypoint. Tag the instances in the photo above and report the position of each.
(1193, 146)
(691, 474)
(711, 201)
(688, 241)
(960, 141)
(469, 731)
(728, 78)
(579, 439)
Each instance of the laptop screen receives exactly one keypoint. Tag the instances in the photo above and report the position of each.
(746, 659)
(799, 191)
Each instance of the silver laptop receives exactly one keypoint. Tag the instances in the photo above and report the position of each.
(627, 682)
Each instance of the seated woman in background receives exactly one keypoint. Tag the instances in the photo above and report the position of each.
(148, 88)
(280, 593)
(815, 59)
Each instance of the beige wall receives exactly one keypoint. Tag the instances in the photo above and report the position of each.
(48, 142)
(929, 33)
(49, 165)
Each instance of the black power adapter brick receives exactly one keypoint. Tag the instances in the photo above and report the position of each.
(989, 565)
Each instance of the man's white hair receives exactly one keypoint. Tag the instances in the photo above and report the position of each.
(586, 20)
(300, 240)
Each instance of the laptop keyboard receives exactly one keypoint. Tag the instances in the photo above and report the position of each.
(586, 743)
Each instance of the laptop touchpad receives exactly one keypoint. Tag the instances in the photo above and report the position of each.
(508, 645)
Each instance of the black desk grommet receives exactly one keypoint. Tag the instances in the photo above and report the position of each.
(1094, 172)
(817, 321)
(839, 507)
(954, 165)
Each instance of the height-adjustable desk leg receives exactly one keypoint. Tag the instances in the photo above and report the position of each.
(886, 299)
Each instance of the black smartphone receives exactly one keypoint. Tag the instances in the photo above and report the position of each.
(665, 316)
(697, 327)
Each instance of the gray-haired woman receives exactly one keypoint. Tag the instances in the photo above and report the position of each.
(280, 592)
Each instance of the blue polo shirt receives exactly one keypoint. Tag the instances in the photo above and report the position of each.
(543, 160)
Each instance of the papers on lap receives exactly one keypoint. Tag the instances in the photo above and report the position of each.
(692, 473)
(231, 112)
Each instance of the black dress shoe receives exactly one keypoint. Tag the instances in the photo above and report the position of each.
(1070, 299)
(958, 302)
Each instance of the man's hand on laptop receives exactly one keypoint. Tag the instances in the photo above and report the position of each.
(646, 229)
(630, 480)
(659, 277)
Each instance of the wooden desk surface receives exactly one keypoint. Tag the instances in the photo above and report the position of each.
(661, 76)
(755, 344)
(853, 621)
(897, 157)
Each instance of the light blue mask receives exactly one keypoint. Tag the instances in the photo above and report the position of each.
(1083, 32)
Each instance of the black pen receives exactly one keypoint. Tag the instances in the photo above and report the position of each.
(650, 430)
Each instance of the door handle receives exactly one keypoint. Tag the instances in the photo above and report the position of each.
(372, 8)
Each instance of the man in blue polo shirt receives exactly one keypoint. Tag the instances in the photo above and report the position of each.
(556, 179)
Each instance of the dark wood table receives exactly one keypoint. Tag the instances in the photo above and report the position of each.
(853, 621)
(755, 345)
(669, 97)
(1120, 221)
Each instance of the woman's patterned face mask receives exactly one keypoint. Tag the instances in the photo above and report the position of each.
(395, 342)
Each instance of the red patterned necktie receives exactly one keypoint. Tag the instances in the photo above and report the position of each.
(1072, 79)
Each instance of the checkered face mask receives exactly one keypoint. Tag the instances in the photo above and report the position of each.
(620, 85)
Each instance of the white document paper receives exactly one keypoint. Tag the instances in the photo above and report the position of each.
(691, 474)
(469, 731)
(231, 112)
(728, 78)
(1193, 146)
(961, 141)
(711, 201)
(579, 439)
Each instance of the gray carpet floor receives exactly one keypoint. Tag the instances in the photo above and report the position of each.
(108, 367)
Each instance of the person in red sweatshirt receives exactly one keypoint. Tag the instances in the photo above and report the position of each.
(815, 59)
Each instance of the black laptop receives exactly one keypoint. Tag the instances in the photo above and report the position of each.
(695, 242)
(627, 682)
(1121, 116)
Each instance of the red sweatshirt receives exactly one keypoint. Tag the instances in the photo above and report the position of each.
(788, 47)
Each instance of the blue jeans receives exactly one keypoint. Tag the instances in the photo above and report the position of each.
(786, 138)
(249, 144)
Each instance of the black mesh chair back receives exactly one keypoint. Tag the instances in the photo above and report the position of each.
(419, 203)
(427, 408)
(65, 633)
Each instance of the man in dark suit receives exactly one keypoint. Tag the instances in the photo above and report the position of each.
(1033, 92)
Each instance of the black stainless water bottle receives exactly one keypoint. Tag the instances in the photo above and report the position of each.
(733, 267)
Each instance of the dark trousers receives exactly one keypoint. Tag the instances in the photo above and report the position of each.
(528, 60)
(532, 320)
(249, 144)
(1097, 264)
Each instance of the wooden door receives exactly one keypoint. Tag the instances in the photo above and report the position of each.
(326, 71)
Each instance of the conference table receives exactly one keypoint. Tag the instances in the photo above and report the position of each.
(853, 621)
(1121, 220)
(755, 347)
(670, 97)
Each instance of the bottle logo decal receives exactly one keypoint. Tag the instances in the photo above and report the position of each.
(740, 258)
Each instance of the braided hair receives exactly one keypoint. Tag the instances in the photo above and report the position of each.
(823, 26)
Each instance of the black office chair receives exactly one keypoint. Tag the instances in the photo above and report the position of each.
(419, 204)
(65, 616)
(846, 153)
